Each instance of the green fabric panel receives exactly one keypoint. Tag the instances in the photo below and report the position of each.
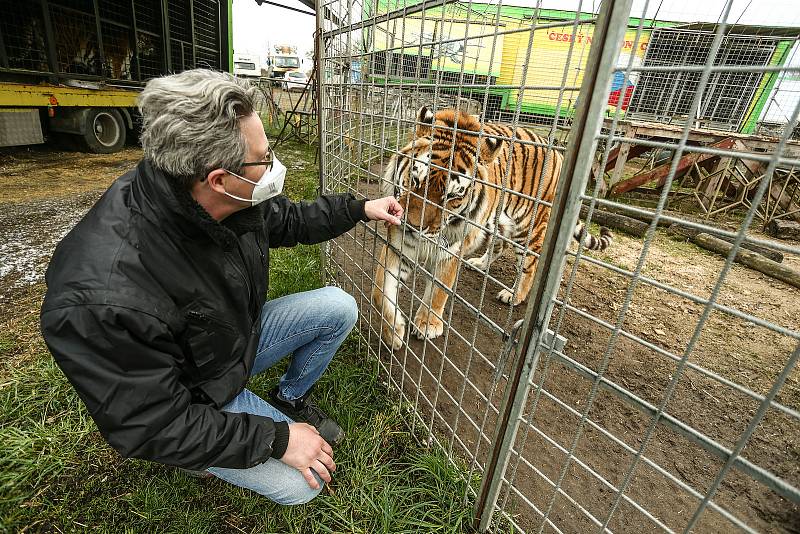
(765, 87)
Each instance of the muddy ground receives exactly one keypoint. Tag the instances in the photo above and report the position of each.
(735, 350)
(43, 193)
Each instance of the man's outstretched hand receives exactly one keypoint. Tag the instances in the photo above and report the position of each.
(307, 450)
(386, 209)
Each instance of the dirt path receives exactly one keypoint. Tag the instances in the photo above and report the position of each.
(447, 377)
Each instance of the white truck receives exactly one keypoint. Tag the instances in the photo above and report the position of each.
(283, 59)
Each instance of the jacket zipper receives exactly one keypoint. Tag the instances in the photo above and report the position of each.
(261, 251)
(207, 320)
(263, 261)
(242, 271)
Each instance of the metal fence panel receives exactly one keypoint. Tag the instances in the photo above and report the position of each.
(583, 380)
(127, 41)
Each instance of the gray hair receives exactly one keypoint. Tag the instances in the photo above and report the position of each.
(190, 122)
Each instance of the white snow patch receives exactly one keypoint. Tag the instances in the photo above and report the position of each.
(29, 232)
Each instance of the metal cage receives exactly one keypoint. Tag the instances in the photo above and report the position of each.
(123, 41)
(648, 384)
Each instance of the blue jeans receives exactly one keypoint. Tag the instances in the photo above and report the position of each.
(311, 326)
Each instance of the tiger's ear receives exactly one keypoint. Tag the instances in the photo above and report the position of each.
(490, 148)
(425, 118)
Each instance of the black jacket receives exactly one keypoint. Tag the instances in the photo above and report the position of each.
(152, 312)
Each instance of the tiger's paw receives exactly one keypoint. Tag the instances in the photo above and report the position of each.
(507, 297)
(394, 335)
(477, 263)
(427, 325)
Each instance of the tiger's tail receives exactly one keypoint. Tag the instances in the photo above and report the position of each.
(591, 242)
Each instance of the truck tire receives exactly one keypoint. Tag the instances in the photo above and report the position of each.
(104, 131)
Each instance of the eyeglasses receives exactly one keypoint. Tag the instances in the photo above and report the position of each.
(270, 158)
(267, 162)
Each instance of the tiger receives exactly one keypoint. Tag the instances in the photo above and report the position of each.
(436, 238)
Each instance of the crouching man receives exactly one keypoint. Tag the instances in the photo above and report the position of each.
(156, 305)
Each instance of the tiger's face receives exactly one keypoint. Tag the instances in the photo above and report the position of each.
(435, 192)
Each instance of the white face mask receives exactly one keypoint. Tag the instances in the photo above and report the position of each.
(270, 185)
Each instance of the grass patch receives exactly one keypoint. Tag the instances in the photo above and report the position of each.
(58, 474)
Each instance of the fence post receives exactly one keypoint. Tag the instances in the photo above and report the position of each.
(319, 71)
(609, 32)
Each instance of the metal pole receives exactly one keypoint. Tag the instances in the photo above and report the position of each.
(194, 39)
(166, 35)
(611, 26)
(183, 55)
(220, 52)
(52, 53)
(100, 49)
(3, 56)
(318, 58)
(136, 42)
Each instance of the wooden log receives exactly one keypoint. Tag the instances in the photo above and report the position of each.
(617, 222)
(784, 229)
(646, 218)
(750, 259)
(681, 231)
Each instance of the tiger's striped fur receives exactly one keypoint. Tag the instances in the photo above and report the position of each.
(471, 195)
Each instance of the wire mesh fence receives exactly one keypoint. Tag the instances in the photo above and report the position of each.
(118, 40)
(584, 378)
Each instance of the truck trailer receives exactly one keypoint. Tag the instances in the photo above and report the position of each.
(247, 66)
(75, 67)
(283, 59)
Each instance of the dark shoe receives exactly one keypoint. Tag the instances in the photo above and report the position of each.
(302, 410)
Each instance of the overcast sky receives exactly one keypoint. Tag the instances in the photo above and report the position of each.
(255, 27)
